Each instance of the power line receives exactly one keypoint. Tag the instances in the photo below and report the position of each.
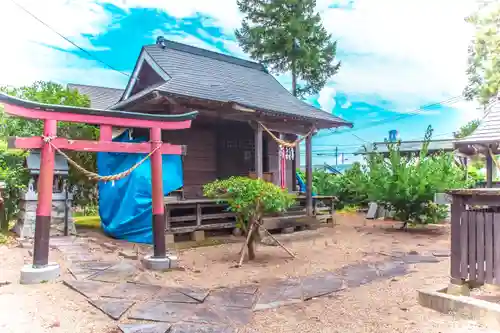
(416, 112)
(69, 40)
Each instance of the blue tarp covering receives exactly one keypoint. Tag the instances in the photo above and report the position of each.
(302, 185)
(125, 206)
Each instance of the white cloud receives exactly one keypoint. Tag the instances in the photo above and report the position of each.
(26, 60)
(224, 12)
(407, 52)
(326, 98)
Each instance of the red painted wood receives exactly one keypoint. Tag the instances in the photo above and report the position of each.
(106, 133)
(46, 177)
(159, 224)
(92, 119)
(44, 206)
(156, 172)
(94, 146)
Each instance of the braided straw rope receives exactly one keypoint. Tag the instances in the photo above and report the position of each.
(285, 143)
(94, 176)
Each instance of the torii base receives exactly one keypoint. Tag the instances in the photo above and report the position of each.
(160, 264)
(32, 275)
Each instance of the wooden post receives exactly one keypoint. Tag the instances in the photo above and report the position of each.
(489, 170)
(296, 163)
(159, 250)
(44, 207)
(309, 201)
(294, 169)
(258, 152)
(457, 208)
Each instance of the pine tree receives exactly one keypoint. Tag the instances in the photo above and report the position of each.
(288, 35)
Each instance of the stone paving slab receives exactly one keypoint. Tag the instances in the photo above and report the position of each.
(321, 284)
(133, 291)
(237, 316)
(121, 271)
(358, 274)
(389, 269)
(145, 328)
(163, 311)
(230, 298)
(85, 269)
(89, 289)
(281, 293)
(205, 314)
(174, 296)
(198, 294)
(114, 308)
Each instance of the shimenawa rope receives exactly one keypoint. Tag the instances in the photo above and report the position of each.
(285, 143)
(92, 175)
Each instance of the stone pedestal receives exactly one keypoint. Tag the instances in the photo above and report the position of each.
(25, 225)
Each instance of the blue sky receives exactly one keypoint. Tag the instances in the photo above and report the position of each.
(397, 55)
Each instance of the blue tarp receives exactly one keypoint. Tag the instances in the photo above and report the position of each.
(302, 185)
(125, 206)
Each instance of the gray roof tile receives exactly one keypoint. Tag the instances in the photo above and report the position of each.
(212, 76)
(488, 130)
(100, 97)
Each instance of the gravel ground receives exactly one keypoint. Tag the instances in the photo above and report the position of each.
(384, 306)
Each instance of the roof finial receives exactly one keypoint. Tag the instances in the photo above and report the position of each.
(160, 40)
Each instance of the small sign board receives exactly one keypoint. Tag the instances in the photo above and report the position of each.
(442, 198)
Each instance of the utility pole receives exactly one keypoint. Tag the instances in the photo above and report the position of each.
(336, 156)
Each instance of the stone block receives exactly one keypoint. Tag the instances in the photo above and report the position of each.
(198, 235)
(169, 239)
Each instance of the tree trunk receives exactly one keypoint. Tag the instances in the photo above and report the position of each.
(294, 79)
(251, 242)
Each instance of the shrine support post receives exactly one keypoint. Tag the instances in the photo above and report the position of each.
(44, 207)
(159, 250)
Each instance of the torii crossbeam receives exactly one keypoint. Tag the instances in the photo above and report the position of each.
(106, 119)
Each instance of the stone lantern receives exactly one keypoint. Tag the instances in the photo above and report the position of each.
(61, 221)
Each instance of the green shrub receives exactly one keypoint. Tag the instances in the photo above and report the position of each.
(401, 183)
(250, 199)
(15, 176)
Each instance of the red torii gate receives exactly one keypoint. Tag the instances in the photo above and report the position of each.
(106, 119)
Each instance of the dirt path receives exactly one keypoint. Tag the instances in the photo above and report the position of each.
(382, 306)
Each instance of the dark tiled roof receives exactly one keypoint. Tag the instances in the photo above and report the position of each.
(212, 76)
(410, 146)
(100, 97)
(488, 130)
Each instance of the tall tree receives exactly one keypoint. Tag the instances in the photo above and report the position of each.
(54, 93)
(484, 54)
(287, 35)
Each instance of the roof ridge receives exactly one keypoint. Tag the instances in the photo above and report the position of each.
(92, 86)
(208, 53)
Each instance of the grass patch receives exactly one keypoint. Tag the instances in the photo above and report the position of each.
(92, 222)
(348, 210)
